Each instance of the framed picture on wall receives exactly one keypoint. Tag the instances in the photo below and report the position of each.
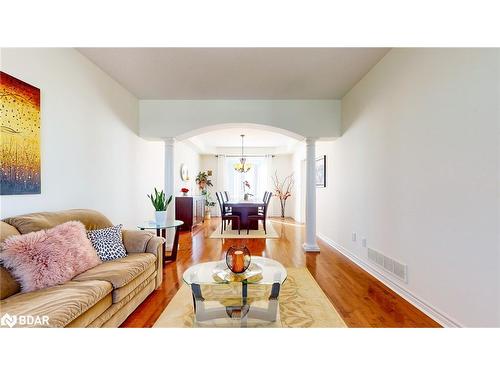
(20, 137)
(321, 172)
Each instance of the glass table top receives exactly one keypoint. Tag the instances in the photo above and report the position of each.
(154, 225)
(203, 273)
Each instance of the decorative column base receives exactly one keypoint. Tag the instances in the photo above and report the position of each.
(314, 248)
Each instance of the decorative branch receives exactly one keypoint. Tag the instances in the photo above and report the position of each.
(283, 189)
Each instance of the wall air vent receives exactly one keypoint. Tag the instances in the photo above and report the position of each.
(390, 265)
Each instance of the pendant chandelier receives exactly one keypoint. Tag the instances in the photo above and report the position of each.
(242, 166)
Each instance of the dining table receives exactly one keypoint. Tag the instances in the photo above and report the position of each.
(244, 209)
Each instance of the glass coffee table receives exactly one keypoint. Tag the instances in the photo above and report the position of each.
(233, 303)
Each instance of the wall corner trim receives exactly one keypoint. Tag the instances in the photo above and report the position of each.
(420, 304)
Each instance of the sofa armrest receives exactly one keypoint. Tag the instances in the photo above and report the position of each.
(136, 241)
(140, 241)
(155, 246)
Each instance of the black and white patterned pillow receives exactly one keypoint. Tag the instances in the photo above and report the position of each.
(108, 242)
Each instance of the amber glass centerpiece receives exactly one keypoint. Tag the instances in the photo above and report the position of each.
(238, 258)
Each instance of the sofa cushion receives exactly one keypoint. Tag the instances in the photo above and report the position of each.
(61, 304)
(49, 257)
(7, 230)
(117, 313)
(121, 293)
(8, 285)
(45, 220)
(119, 272)
(92, 314)
(108, 242)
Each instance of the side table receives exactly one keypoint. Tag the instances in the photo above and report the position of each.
(161, 231)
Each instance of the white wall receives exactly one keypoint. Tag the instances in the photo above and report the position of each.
(416, 172)
(185, 154)
(172, 118)
(91, 154)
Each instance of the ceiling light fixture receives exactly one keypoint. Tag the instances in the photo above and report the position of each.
(242, 166)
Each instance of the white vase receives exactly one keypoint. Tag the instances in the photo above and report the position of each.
(161, 217)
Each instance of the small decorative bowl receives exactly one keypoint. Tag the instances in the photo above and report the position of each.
(222, 274)
(238, 259)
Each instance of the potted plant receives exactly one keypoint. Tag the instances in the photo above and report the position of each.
(209, 203)
(203, 181)
(160, 203)
(185, 191)
(246, 185)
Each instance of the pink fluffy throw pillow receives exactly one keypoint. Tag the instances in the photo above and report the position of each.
(49, 257)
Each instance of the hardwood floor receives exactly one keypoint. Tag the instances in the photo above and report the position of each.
(361, 300)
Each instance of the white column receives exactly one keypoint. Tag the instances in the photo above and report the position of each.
(169, 176)
(311, 244)
(220, 178)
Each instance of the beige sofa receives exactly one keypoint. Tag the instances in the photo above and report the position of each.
(103, 296)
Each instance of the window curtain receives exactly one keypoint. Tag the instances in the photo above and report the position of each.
(259, 177)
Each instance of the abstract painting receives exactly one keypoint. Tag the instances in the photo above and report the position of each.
(19, 137)
(321, 171)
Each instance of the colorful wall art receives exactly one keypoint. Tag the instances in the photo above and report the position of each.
(19, 137)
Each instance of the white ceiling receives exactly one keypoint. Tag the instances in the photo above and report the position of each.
(236, 73)
(256, 141)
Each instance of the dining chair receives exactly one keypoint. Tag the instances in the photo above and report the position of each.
(261, 208)
(260, 217)
(225, 198)
(226, 216)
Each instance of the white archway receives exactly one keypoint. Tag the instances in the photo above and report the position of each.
(209, 128)
(160, 119)
(302, 119)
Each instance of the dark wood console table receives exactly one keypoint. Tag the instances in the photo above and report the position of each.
(190, 210)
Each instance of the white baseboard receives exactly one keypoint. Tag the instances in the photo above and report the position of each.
(420, 304)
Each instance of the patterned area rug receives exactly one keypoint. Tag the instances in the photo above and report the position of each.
(229, 233)
(302, 304)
